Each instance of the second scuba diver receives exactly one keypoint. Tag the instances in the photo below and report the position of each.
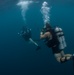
(27, 35)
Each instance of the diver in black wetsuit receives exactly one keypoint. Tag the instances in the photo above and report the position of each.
(27, 35)
(54, 41)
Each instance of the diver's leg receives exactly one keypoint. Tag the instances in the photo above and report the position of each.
(62, 53)
(67, 56)
(38, 47)
(61, 57)
(58, 56)
(33, 42)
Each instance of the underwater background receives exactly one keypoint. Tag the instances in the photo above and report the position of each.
(18, 57)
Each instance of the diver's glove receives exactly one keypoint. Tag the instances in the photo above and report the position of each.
(38, 47)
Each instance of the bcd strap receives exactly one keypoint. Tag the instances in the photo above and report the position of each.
(59, 31)
(61, 35)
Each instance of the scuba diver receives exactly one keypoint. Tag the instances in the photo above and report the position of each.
(27, 35)
(54, 39)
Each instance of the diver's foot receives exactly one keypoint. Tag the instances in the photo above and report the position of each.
(38, 47)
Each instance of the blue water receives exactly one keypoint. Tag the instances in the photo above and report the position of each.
(18, 57)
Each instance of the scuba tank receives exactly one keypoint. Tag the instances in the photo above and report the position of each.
(60, 37)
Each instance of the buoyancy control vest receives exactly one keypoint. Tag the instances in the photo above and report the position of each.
(51, 42)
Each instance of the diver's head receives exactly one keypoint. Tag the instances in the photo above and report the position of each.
(47, 25)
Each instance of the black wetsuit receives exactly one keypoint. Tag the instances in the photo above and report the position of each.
(26, 34)
(53, 43)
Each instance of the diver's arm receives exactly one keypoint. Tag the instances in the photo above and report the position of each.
(43, 36)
